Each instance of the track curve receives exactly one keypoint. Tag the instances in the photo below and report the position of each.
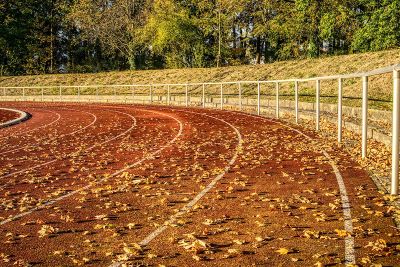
(225, 188)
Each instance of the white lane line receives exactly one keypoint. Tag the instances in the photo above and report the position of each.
(34, 129)
(58, 137)
(147, 157)
(87, 149)
(350, 257)
(49, 162)
(189, 205)
(346, 207)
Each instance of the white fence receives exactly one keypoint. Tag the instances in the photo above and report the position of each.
(199, 94)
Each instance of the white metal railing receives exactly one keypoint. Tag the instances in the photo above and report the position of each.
(395, 69)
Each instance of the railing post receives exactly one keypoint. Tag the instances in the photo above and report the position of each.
(151, 94)
(204, 96)
(395, 133)
(60, 93)
(340, 110)
(296, 100)
(222, 97)
(277, 100)
(317, 107)
(23, 93)
(115, 94)
(4, 91)
(79, 93)
(240, 96)
(187, 95)
(133, 94)
(258, 97)
(97, 94)
(168, 95)
(42, 94)
(364, 116)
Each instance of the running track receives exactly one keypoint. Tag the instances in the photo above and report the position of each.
(105, 185)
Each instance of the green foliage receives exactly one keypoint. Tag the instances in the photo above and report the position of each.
(327, 26)
(381, 28)
(171, 32)
(44, 36)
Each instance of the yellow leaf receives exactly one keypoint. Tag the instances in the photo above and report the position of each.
(283, 251)
(259, 239)
(239, 242)
(151, 256)
(342, 233)
(197, 258)
(233, 251)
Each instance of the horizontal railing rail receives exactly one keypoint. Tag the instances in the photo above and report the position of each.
(151, 87)
(375, 72)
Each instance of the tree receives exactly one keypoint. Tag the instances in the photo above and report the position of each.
(48, 36)
(172, 31)
(113, 24)
(29, 36)
(380, 26)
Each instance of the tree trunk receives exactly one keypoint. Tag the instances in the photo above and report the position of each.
(258, 56)
(266, 51)
(317, 40)
(234, 35)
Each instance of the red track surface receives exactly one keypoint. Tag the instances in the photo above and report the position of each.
(115, 174)
(7, 115)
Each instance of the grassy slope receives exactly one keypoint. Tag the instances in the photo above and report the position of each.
(380, 87)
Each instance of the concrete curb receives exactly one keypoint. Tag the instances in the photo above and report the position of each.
(23, 116)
